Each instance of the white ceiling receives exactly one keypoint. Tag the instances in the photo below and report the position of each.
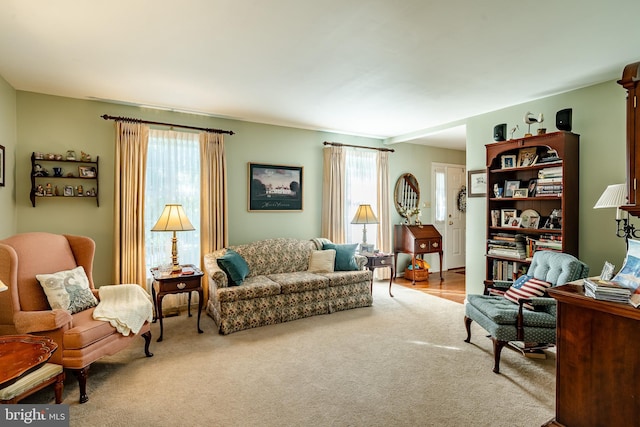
(382, 68)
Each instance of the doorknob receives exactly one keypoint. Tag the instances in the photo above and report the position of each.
(450, 222)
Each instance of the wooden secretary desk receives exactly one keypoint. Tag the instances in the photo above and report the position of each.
(416, 240)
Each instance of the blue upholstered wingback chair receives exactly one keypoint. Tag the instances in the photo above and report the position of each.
(506, 321)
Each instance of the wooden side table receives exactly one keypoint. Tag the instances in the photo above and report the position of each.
(176, 284)
(379, 261)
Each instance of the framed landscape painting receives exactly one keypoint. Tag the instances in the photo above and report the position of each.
(275, 188)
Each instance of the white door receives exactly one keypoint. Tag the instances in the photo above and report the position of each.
(448, 219)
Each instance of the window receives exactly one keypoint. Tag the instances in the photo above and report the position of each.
(360, 188)
(173, 176)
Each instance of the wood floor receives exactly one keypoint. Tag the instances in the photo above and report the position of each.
(452, 287)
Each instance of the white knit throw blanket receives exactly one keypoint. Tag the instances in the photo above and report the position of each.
(126, 307)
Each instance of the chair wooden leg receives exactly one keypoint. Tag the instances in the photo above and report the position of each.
(59, 387)
(82, 375)
(497, 349)
(147, 341)
(467, 324)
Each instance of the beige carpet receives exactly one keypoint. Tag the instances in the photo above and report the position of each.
(402, 362)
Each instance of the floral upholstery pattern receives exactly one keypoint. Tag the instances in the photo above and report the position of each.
(279, 288)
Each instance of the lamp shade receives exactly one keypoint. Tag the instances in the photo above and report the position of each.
(364, 215)
(173, 218)
(614, 195)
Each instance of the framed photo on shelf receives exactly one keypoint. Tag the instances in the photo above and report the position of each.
(68, 190)
(527, 157)
(533, 183)
(507, 216)
(510, 187)
(275, 188)
(86, 172)
(520, 193)
(477, 183)
(508, 161)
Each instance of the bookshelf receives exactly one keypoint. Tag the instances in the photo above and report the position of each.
(532, 201)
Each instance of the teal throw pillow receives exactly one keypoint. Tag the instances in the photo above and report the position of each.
(345, 256)
(235, 266)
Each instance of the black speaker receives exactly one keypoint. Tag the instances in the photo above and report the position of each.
(499, 132)
(563, 119)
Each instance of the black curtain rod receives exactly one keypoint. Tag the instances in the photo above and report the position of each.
(129, 119)
(337, 144)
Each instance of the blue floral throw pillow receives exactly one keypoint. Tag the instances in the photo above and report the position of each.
(345, 256)
(235, 266)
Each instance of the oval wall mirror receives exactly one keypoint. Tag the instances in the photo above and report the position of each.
(406, 194)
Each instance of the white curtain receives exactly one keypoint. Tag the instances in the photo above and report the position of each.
(173, 176)
(360, 188)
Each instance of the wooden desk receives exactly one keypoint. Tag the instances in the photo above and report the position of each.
(176, 284)
(416, 240)
(597, 362)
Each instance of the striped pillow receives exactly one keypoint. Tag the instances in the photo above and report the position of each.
(526, 287)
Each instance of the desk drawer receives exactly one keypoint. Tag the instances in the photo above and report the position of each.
(427, 245)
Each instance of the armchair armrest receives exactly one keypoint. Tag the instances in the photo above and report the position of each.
(41, 321)
(361, 261)
(535, 302)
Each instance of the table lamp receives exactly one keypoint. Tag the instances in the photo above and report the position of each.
(174, 219)
(364, 215)
(614, 196)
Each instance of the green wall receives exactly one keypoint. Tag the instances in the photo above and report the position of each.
(52, 124)
(599, 118)
(8, 138)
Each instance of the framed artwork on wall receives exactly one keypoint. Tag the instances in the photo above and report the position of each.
(477, 184)
(2, 166)
(275, 188)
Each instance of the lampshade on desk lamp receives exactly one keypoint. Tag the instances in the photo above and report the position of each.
(614, 196)
(364, 215)
(174, 219)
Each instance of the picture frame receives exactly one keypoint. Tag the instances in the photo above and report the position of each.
(477, 183)
(527, 156)
(510, 187)
(274, 187)
(68, 191)
(508, 161)
(86, 172)
(2, 166)
(520, 193)
(531, 187)
(507, 216)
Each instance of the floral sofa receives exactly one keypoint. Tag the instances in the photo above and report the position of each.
(278, 287)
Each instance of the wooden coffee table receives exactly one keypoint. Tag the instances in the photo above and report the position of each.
(25, 355)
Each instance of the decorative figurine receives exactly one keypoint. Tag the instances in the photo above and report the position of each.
(48, 190)
(71, 155)
(79, 190)
(85, 157)
(38, 170)
(39, 190)
(528, 119)
(513, 130)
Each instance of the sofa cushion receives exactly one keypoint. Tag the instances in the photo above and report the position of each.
(526, 287)
(343, 278)
(253, 287)
(345, 256)
(235, 266)
(322, 261)
(68, 290)
(299, 282)
(272, 256)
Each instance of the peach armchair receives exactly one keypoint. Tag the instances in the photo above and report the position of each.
(25, 309)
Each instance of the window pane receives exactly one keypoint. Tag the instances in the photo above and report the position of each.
(361, 188)
(173, 176)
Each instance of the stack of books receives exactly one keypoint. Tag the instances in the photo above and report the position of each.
(507, 245)
(606, 290)
(549, 182)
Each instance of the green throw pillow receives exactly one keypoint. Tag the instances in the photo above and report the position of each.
(235, 266)
(345, 256)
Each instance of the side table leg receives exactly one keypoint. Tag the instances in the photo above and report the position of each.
(393, 274)
(159, 305)
(200, 302)
(189, 304)
(155, 303)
